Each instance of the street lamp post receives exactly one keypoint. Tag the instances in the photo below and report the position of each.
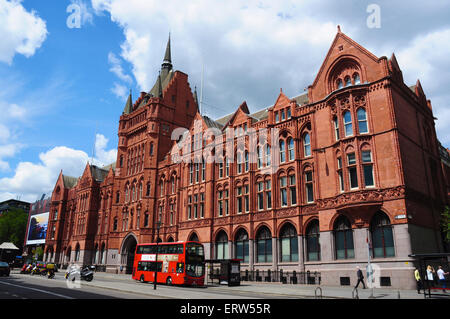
(158, 225)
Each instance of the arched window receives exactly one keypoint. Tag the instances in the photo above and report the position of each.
(172, 185)
(348, 81)
(339, 84)
(291, 151)
(348, 126)
(259, 155)
(382, 238)
(247, 167)
(239, 161)
(241, 245)
(312, 241)
(222, 245)
(289, 243)
(267, 159)
(193, 237)
(356, 78)
(264, 245)
(362, 121)
(307, 145)
(343, 238)
(336, 128)
(282, 151)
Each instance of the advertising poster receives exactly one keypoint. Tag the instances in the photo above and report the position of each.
(37, 229)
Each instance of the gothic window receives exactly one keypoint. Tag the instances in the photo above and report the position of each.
(336, 128)
(362, 121)
(343, 238)
(312, 241)
(282, 151)
(307, 145)
(348, 81)
(264, 245)
(366, 157)
(382, 238)
(352, 170)
(222, 245)
(309, 186)
(348, 126)
(291, 149)
(242, 245)
(288, 243)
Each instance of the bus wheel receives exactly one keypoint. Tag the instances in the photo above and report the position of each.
(142, 279)
(169, 281)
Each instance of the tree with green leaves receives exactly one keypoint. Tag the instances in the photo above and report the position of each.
(13, 226)
(445, 222)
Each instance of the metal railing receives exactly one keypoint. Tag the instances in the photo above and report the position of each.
(285, 277)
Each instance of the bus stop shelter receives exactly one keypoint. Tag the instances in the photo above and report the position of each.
(8, 251)
(433, 287)
(226, 271)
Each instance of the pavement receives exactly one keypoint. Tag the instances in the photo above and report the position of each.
(247, 290)
(269, 290)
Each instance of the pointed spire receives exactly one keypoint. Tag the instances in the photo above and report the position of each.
(168, 55)
(167, 62)
(129, 105)
(195, 96)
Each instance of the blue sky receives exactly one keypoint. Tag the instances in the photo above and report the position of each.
(63, 89)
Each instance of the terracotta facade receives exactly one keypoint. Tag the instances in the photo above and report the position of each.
(354, 159)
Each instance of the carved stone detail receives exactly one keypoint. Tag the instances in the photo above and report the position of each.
(361, 197)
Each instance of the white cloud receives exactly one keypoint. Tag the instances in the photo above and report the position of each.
(119, 90)
(103, 156)
(30, 180)
(21, 32)
(116, 68)
(427, 58)
(228, 37)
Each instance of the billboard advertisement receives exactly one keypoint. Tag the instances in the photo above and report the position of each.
(37, 229)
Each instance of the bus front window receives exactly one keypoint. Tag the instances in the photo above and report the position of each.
(195, 270)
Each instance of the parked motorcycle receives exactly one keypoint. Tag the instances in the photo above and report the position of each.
(74, 272)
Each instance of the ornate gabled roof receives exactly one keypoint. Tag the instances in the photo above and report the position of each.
(69, 181)
(211, 123)
(98, 174)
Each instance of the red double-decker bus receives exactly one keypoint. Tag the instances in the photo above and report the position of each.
(179, 263)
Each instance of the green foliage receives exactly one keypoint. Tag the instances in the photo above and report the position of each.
(38, 253)
(13, 226)
(445, 222)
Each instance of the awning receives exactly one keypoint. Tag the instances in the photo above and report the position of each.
(8, 246)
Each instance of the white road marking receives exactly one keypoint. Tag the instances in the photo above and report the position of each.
(40, 290)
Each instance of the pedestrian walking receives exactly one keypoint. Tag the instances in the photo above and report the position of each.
(360, 276)
(441, 275)
(418, 280)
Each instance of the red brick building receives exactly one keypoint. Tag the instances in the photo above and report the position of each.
(356, 158)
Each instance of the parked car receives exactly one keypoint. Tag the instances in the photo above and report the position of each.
(4, 269)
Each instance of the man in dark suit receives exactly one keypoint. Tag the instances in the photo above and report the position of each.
(360, 276)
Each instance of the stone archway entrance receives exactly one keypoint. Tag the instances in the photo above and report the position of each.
(127, 253)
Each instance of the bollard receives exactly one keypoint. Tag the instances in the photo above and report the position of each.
(355, 296)
(398, 294)
(315, 293)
